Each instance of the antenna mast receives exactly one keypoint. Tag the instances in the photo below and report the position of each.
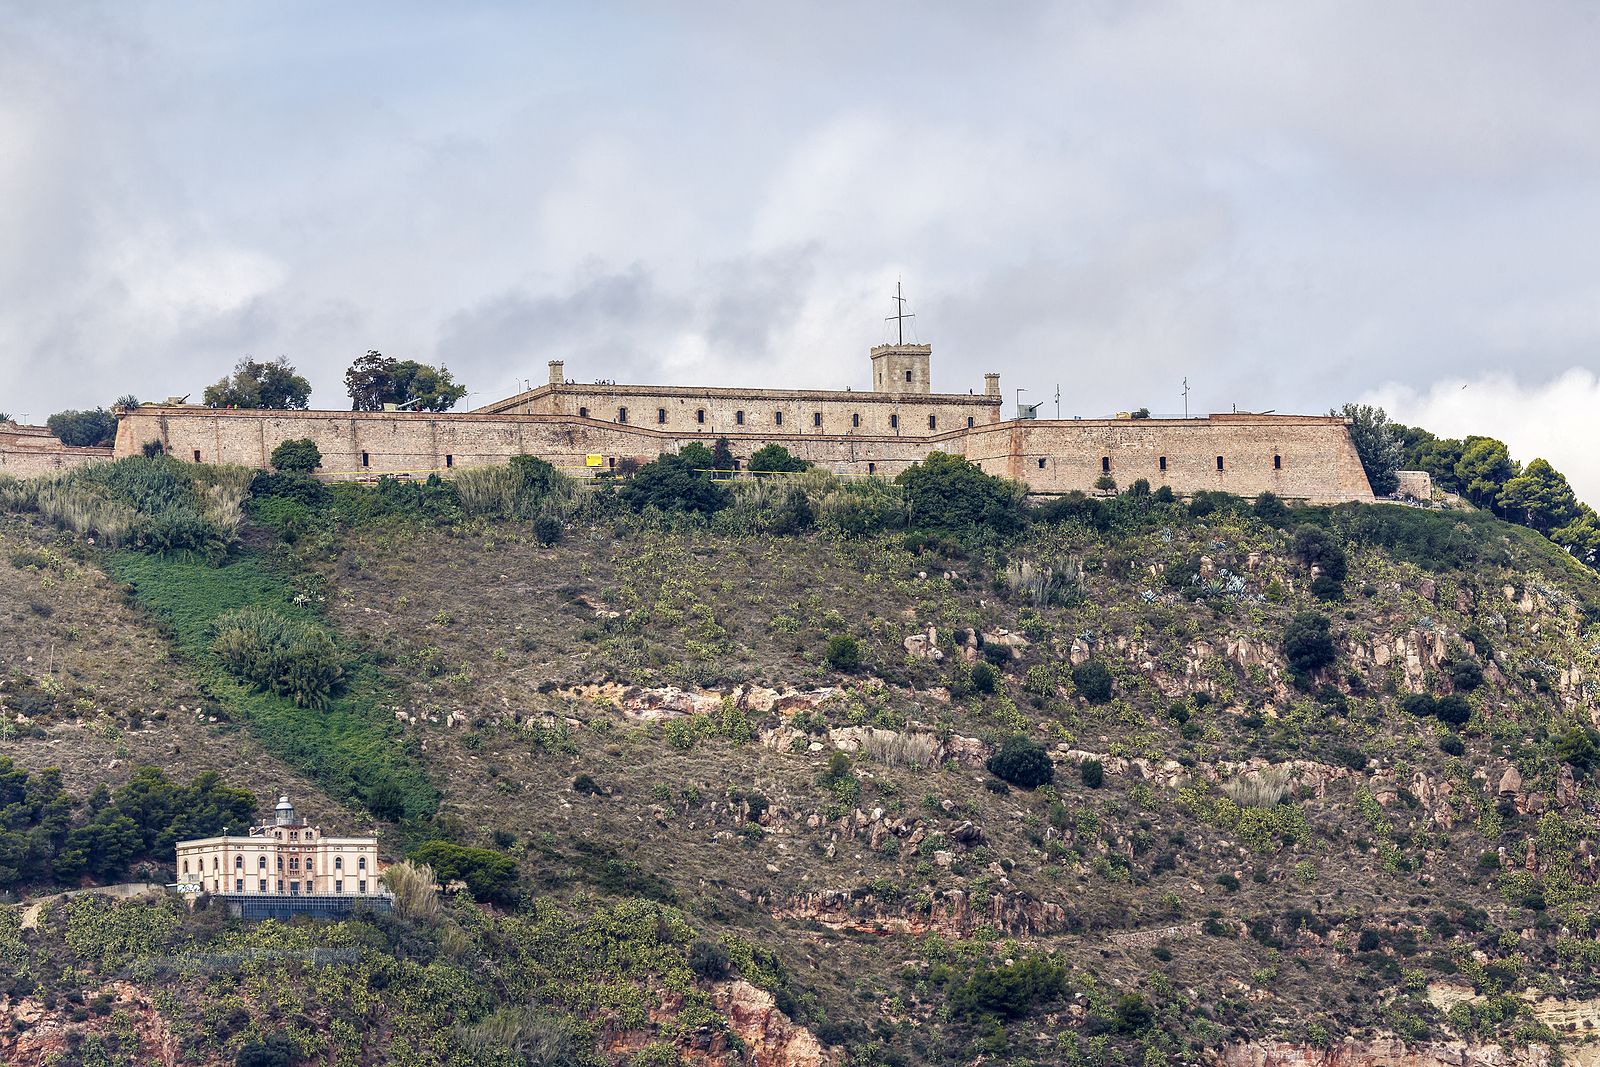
(899, 317)
(1058, 402)
(1186, 397)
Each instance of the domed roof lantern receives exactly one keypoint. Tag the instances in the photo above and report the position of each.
(284, 811)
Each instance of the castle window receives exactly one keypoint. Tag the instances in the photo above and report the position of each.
(261, 863)
(449, 461)
(933, 422)
(263, 886)
(908, 376)
(855, 420)
(872, 468)
(294, 889)
(969, 422)
(294, 835)
(362, 863)
(700, 415)
(1277, 463)
(197, 455)
(622, 414)
(661, 415)
(366, 461)
(338, 863)
(894, 422)
(1105, 464)
(185, 866)
(362, 885)
(777, 418)
(280, 885)
(1219, 463)
(338, 885)
(738, 417)
(1041, 463)
(238, 863)
(583, 413)
(1163, 462)
(238, 885)
(214, 864)
(280, 863)
(816, 418)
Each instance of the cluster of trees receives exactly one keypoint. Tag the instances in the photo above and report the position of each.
(375, 380)
(1481, 470)
(44, 837)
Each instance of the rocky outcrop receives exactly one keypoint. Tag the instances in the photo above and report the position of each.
(670, 702)
(1388, 1052)
(32, 1035)
(950, 913)
(771, 1038)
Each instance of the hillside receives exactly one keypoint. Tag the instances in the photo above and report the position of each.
(1322, 779)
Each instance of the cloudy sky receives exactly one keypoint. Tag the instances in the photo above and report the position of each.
(1293, 205)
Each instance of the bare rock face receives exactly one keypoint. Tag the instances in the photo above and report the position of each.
(770, 1037)
(1387, 1052)
(925, 646)
(44, 1037)
(949, 913)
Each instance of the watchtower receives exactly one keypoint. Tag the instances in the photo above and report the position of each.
(901, 368)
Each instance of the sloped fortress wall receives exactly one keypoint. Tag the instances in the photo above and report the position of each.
(29, 451)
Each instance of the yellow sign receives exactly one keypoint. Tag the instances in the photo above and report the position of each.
(592, 460)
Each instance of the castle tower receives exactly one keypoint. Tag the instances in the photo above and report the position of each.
(558, 371)
(901, 368)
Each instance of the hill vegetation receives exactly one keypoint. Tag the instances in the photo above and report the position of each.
(804, 769)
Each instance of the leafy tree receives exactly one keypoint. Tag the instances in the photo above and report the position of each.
(1270, 509)
(722, 460)
(254, 384)
(1377, 442)
(776, 459)
(1022, 762)
(1452, 710)
(489, 875)
(1484, 469)
(274, 1050)
(1307, 645)
(1093, 680)
(1581, 536)
(300, 456)
(1539, 498)
(95, 428)
(1106, 484)
(673, 483)
(698, 456)
(947, 492)
(375, 380)
(1422, 451)
(1320, 548)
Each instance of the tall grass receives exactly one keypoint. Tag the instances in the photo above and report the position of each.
(901, 749)
(1258, 789)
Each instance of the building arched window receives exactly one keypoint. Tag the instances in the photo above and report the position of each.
(1277, 463)
(583, 413)
(1219, 463)
(894, 422)
(1105, 464)
(338, 863)
(263, 864)
(361, 864)
(738, 417)
(238, 863)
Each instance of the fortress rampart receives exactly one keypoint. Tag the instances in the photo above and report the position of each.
(1298, 457)
(594, 428)
(31, 451)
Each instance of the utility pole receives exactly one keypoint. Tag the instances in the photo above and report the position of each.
(1186, 396)
(899, 317)
(1058, 402)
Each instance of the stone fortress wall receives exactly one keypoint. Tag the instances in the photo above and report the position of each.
(31, 451)
(581, 427)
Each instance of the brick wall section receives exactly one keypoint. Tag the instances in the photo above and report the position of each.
(1316, 460)
(31, 451)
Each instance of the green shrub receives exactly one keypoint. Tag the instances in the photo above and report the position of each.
(1010, 990)
(274, 1050)
(673, 483)
(547, 529)
(946, 492)
(1578, 746)
(1093, 680)
(1465, 674)
(775, 459)
(1307, 644)
(1317, 547)
(1092, 772)
(983, 678)
(709, 960)
(844, 653)
(999, 655)
(489, 875)
(1451, 745)
(279, 655)
(1022, 762)
(301, 455)
(1452, 710)
(1270, 509)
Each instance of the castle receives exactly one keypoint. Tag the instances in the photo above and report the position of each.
(588, 429)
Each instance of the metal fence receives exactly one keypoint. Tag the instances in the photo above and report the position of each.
(255, 906)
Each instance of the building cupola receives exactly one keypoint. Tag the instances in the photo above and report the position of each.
(284, 812)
